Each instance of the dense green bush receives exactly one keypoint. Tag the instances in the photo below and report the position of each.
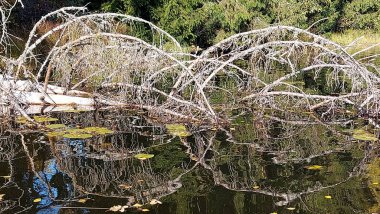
(203, 22)
(361, 14)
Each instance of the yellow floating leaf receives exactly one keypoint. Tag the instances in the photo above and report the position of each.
(77, 135)
(375, 183)
(125, 186)
(194, 158)
(256, 187)
(2, 197)
(143, 156)
(314, 167)
(123, 208)
(232, 129)
(56, 126)
(274, 213)
(360, 134)
(41, 119)
(145, 210)
(6, 176)
(137, 205)
(115, 208)
(37, 200)
(82, 200)
(177, 130)
(154, 202)
(291, 208)
(98, 130)
(328, 197)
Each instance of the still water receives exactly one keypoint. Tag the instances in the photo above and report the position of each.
(257, 164)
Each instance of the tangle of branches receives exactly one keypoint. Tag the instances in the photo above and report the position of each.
(99, 59)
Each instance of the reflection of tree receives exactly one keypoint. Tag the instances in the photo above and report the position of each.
(272, 162)
(261, 160)
(105, 166)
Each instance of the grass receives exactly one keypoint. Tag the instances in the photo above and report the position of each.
(369, 38)
(348, 36)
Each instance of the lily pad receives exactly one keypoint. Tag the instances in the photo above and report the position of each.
(41, 119)
(55, 134)
(314, 167)
(37, 200)
(98, 130)
(364, 135)
(22, 120)
(143, 156)
(76, 110)
(177, 130)
(56, 126)
(77, 135)
(83, 200)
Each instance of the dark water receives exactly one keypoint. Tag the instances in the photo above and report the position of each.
(257, 165)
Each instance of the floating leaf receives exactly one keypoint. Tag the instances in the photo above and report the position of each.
(37, 200)
(77, 135)
(194, 157)
(6, 176)
(115, 208)
(21, 120)
(137, 205)
(55, 134)
(125, 186)
(375, 183)
(328, 197)
(256, 187)
(177, 130)
(98, 130)
(76, 110)
(314, 167)
(83, 200)
(360, 134)
(232, 129)
(41, 119)
(154, 202)
(2, 197)
(143, 156)
(123, 209)
(145, 210)
(56, 126)
(274, 213)
(290, 208)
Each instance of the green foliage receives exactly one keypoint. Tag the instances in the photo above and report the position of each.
(361, 14)
(209, 21)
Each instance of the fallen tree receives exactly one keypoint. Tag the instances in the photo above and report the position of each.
(97, 60)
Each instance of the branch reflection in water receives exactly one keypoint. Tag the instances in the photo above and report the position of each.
(260, 160)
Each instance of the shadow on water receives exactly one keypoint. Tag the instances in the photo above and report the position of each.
(260, 164)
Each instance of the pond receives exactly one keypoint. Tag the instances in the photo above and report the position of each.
(259, 163)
